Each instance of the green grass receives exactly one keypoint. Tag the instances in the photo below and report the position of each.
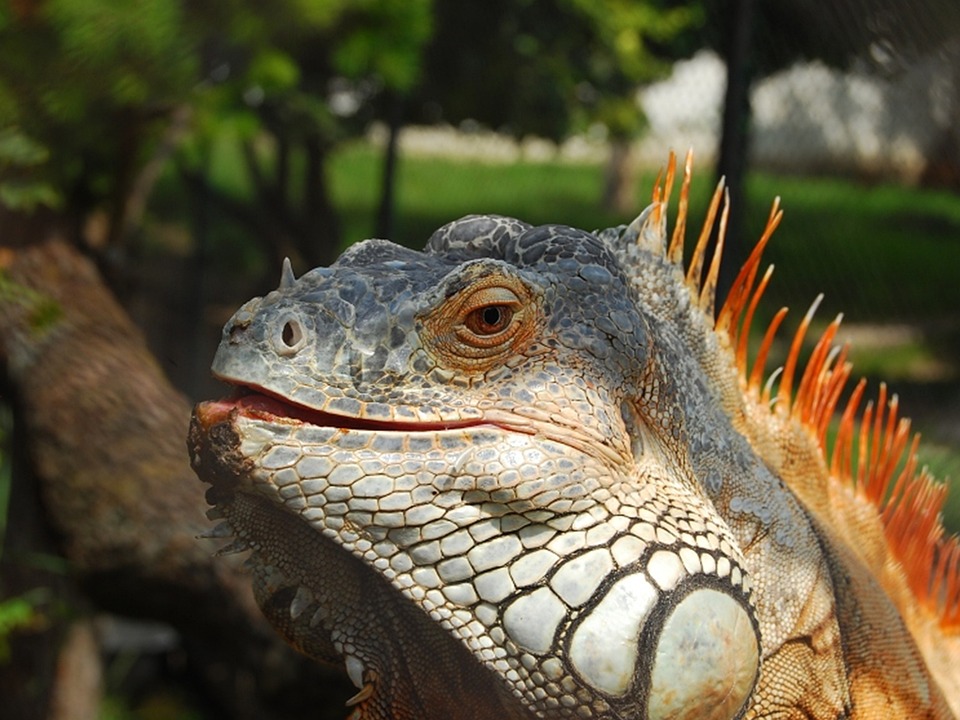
(432, 192)
(881, 252)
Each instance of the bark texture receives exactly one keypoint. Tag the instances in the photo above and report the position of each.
(105, 474)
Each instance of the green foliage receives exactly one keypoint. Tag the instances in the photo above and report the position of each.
(628, 33)
(15, 613)
(17, 149)
(19, 154)
(386, 42)
(550, 67)
(296, 48)
(625, 56)
(81, 83)
(287, 85)
(89, 87)
(43, 312)
(274, 71)
(74, 64)
(18, 614)
(126, 53)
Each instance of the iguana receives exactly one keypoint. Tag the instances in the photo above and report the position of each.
(527, 472)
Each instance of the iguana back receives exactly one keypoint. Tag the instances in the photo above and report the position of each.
(527, 473)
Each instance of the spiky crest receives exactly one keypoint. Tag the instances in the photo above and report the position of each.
(873, 452)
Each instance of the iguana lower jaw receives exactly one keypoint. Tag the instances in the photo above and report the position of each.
(327, 604)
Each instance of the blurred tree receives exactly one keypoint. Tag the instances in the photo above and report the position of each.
(552, 67)
(292, 81)
(83, 85)
(884, 35)
(94, 92)
(758, 39)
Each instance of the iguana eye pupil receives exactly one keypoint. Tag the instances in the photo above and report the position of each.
(489, 320)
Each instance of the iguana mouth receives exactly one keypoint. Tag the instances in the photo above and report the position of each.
(258, 403)
(261, 404)
(532, 471)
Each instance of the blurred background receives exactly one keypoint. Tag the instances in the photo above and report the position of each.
(187, 148)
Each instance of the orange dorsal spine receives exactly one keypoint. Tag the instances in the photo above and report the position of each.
(873, 453)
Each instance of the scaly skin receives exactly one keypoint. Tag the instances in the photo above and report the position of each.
(516, 475)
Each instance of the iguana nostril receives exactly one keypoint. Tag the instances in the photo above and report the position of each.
(291, 337)
(291, 334)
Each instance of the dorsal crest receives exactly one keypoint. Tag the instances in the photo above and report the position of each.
(871, 458)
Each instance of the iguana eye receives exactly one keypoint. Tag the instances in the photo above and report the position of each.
(491, 316)
(479, 326)
(489, 320)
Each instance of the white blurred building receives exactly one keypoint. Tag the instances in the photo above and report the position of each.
(812, 118)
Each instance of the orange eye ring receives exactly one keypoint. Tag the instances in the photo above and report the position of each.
(482, 324)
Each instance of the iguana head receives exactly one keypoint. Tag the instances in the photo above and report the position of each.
(479, 449)
(459, 335)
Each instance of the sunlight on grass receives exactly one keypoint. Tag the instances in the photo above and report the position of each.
(432, 192)
(880, 253)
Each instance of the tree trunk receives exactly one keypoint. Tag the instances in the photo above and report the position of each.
(942, 167)
(620, 178)
(129, 140)
(109, 475)
(282, 179)
(321, 243)
(385, 213)
(734, 133)
(148, 175)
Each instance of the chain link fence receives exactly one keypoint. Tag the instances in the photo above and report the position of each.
(901, 125)
(888, 117)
